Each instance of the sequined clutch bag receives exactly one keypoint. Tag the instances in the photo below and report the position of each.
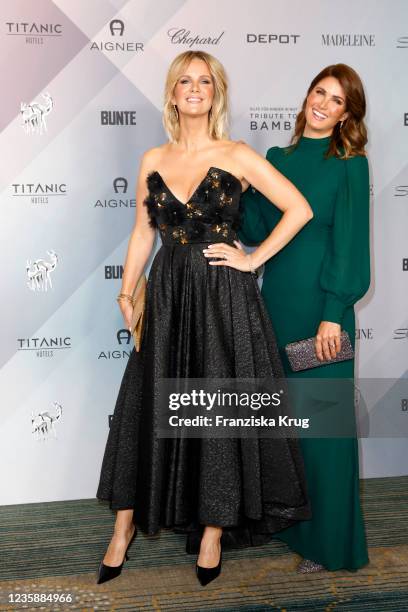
(138, 316)
(302, 355)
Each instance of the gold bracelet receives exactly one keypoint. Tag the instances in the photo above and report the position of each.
(124, 296)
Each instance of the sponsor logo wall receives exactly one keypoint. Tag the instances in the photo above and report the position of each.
(81, 101)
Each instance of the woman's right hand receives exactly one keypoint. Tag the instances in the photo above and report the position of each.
(127, 313)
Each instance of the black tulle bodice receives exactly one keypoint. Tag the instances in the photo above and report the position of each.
(212, 214)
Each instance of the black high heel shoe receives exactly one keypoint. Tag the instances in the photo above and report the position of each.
(207, 574)
(108, 572)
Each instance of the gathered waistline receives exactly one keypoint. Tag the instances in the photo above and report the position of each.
(190, 244)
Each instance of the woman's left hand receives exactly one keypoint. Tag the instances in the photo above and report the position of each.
(327, 340)
(234, 257)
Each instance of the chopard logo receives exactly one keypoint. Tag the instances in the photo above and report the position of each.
(181, 36)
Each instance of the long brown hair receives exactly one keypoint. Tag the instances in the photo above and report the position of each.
(349, 139)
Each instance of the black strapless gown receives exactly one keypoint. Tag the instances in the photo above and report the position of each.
(202, 321)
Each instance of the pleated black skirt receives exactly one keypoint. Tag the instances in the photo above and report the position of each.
(202, 321)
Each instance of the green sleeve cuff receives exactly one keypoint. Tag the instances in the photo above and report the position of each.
(333, 309)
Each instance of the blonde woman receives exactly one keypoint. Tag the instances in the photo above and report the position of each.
(203, 320)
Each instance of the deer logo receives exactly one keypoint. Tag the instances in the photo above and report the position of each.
(39, 272)
(43, 424)
(34, 114)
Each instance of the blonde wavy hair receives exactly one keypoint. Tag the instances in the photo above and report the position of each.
(349, 139)
(218, 115)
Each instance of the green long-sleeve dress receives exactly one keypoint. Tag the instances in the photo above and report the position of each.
(318, 276)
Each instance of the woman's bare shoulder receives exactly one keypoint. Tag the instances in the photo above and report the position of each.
(152, 157)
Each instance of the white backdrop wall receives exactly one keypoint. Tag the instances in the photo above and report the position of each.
(67, 184)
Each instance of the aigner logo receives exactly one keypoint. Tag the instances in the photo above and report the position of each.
(33, 115)
(39, 272)
(120, 185)
(117, 26)
(117, 29)
(122, 336)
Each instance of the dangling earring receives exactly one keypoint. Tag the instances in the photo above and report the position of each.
(341, 124)
(176, 112)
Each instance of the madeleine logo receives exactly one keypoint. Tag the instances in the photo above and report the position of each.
(34, 114)
(348, 40)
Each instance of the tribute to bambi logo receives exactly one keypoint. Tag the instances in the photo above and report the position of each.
(34, 114)
(43, 423)
(39, 272)
(272, 118)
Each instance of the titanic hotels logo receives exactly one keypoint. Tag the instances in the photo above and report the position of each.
(34, 33)
(39, 272)
(43, 423)
(34, 114)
